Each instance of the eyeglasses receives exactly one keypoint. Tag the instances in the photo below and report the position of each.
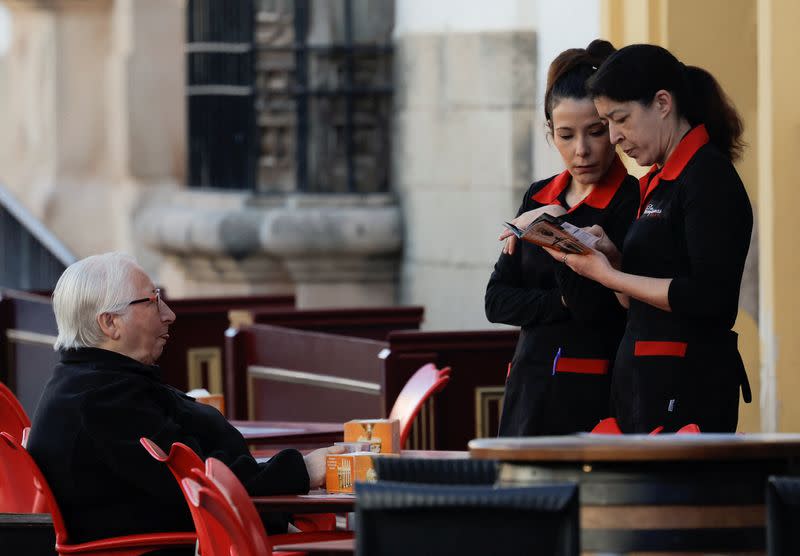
(155, 298)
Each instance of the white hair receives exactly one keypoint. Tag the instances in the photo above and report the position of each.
(92, 286)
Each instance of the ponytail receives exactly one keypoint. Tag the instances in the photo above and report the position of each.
(638, 71)
(712, 107)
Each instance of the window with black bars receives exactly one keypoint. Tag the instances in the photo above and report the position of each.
(290, 95)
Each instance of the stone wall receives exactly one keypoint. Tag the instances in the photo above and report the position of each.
(463, 138)
(93, 114)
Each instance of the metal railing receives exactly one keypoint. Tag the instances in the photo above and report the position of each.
(31, 257)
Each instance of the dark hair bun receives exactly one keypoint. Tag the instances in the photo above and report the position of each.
(568, 73)
(599, 50)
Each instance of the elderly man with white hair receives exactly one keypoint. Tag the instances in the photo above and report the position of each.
(107, 393)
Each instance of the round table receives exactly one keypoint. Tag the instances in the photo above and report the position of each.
(688, 493)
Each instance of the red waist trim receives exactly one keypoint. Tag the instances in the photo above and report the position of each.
(583, 366)
(669, 349)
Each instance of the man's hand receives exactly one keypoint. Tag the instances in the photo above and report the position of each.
(315, 464)
(524, 220)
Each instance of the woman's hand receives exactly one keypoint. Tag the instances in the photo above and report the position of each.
(593, 265)
(315, 464)
(524, 220)
(606, 246)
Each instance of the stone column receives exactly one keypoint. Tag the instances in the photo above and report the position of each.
(93, 111)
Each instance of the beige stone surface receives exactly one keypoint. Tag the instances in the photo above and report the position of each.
(452, 228)
(93, 113)
(345, 294)
(451, 294)
(493, 69)
(154, 73)
(462, 148)
(463, 143)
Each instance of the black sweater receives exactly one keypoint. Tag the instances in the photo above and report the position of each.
(85, 437)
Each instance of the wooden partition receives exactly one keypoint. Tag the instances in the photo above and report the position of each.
(282, 374)
(367, 322)
(27, 334)
(275, 373)
(193, 357)
(469, 407)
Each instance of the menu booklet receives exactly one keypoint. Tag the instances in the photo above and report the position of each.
(549, 231)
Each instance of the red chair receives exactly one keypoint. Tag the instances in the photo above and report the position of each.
(691, 428)
(180, 460)
(424, 383)
(216, 514)
(27, 472)
(223, 480)
(17, 495)
(13, 418)
(608, 425)
(211, 513)
(184, 463)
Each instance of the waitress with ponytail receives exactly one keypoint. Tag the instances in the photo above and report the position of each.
(570, 326)
(682, 260)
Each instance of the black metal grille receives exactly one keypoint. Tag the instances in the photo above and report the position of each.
(285, 114)
(220, 94)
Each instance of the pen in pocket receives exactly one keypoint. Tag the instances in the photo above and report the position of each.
(555, 361)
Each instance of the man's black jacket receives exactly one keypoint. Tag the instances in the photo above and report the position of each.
(85, 437)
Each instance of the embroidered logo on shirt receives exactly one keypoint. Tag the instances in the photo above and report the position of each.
(650, 210)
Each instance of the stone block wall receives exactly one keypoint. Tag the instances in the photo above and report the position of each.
(462, 157)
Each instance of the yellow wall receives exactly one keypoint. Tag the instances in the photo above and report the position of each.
(779, 139)
(720, 36)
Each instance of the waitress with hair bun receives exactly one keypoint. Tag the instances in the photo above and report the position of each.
(682, 260)
(570, 326)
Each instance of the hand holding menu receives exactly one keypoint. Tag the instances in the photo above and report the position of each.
(549, 231)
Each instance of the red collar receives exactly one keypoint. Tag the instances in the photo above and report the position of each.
(677, 161)
(598, 198)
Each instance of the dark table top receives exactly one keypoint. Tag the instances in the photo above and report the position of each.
(316, 501)
(346, 546)
(620, 448)
(290, 433)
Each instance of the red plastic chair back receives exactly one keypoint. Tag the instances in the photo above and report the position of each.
(420, 387)
(18, 493)
(181, 459)
(184, 463)
(608, 425)
(32, 493)
(237, 496)
(13, 418)
(222, 480)
(219, 530)
(691, 428)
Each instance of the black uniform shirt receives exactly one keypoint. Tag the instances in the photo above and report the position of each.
(682, 366)
(559, 375)
(694, 226)
(526, 288)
